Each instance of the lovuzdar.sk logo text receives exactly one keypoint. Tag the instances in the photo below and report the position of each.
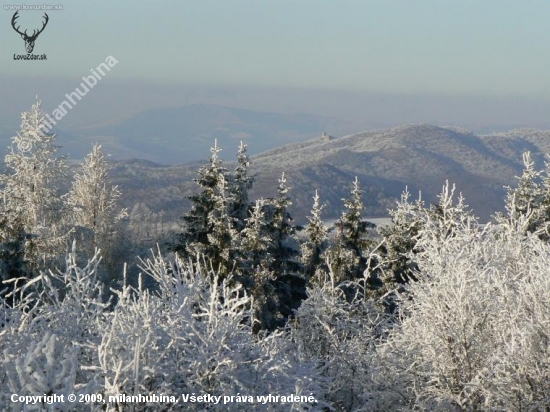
(29, 40)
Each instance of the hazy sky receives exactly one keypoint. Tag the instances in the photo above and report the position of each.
(435, 46)
(473, 48)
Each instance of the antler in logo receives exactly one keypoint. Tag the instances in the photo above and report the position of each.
(29, 40)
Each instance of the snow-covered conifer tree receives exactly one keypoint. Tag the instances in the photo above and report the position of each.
(278, 286)
(241, 184)
(316, 242)
(208, 228)
(443, 219)
(256, 240)
(220, 249)
(348, 256)
(411, 223)
(354, 228)
(525, 197)
(400, 238)
(195, 225)
(531, 198)
(543, 215)
(255, 267)
(282, 231)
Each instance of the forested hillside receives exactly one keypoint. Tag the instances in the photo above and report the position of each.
(417, 157)
(433, 311)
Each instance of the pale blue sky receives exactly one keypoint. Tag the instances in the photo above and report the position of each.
(471, 47)
(479, 64)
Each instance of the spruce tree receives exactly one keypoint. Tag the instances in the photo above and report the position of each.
(220, 247)
(256, 241)
(349, 254)
(255, 265)
(443, 218)
(284, 246)
(196, 227)
(316, 241)
(241, 184)
(354, 228)
(289, 284)
(524, 199)
(411, 225)
(526, 195)
(208, 228)
(529, 199)
(399, 240)
(544, 206)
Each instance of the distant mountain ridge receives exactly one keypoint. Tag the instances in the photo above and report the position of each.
(182, 134)
(420, 157)
(177, 135)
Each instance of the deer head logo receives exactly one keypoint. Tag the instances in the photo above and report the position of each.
(29, 40)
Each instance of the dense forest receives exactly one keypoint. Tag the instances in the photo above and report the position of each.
(433, 311)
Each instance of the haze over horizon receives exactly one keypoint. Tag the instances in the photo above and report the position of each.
(370, 64)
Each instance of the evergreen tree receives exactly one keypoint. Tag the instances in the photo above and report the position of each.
(284, 245)
(411, 225)
(354, 228)
(349, 255)
(400, 238)
(525, 197)
(256, 263)
(241, 184)
(441, 219)
(544, 206)
(220, 247)
(289, 284)
(316, 242)
(342, 262)
(196, 227)
(256, 240)
(208, 226)
(530, 199)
